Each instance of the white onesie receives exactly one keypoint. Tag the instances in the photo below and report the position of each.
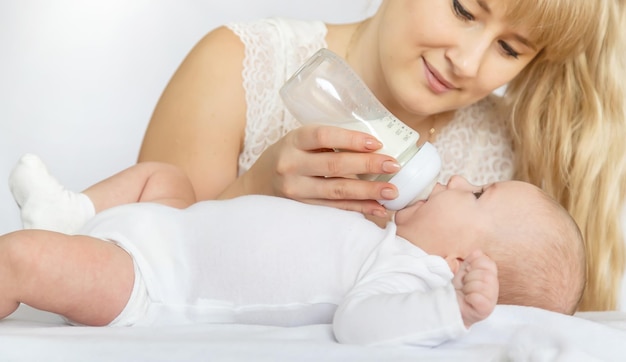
(267, 260)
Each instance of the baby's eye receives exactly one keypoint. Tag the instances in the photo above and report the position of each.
(478, 194)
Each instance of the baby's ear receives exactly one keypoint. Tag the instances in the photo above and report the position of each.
(454, 263)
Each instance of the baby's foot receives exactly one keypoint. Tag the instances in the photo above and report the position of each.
(44, 203)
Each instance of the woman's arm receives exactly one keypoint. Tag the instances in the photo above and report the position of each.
(199, 125)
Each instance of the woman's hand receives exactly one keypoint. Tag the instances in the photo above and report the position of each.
(302, 166)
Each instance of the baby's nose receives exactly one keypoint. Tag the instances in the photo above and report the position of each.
(459, 182)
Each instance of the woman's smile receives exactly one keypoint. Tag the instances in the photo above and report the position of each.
(437, 83)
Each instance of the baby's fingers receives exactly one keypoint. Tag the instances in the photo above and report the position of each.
(478, 260)
(481, 305)
(480, 281)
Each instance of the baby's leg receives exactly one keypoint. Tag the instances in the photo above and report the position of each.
(144, 182)
(46, 204)
(86, 280)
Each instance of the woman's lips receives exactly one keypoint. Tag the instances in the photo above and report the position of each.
(435, 81)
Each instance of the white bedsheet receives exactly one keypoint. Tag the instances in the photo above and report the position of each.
(512, 333)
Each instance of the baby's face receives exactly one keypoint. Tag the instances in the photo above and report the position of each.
(456, 216)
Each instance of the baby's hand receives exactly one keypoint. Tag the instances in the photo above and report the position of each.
(476, 284)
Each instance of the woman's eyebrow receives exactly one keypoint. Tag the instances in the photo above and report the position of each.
(524, 41)
(483, 5)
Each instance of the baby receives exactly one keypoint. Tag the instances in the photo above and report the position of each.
(440, 267)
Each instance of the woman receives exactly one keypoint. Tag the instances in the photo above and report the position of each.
(434, 64)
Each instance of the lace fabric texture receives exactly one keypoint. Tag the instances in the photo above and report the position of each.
(475, 144)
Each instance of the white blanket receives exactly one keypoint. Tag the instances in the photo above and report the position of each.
(511, 333)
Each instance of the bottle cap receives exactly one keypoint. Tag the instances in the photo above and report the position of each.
(416, 178)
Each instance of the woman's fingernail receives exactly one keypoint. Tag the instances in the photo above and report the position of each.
(388, 193)
(372, 144)
(391, 167)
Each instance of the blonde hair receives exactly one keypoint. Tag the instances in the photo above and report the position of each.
(540, 254)
(568, 123)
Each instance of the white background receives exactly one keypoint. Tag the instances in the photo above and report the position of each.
(79, 78)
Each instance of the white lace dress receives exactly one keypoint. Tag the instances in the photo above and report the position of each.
(474, 144)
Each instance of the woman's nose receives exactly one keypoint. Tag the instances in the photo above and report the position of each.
(468, 55)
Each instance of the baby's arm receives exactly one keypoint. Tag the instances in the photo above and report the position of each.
(143, 182)
(404, 297)
(477, 287)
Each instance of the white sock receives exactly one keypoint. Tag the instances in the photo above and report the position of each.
(44, 203)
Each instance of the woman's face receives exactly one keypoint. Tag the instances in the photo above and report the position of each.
(440, 55)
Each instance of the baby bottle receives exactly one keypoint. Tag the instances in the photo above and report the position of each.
(325, 90)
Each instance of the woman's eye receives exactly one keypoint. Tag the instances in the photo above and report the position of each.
(478, 194)
(508, 50)
(461, 11)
